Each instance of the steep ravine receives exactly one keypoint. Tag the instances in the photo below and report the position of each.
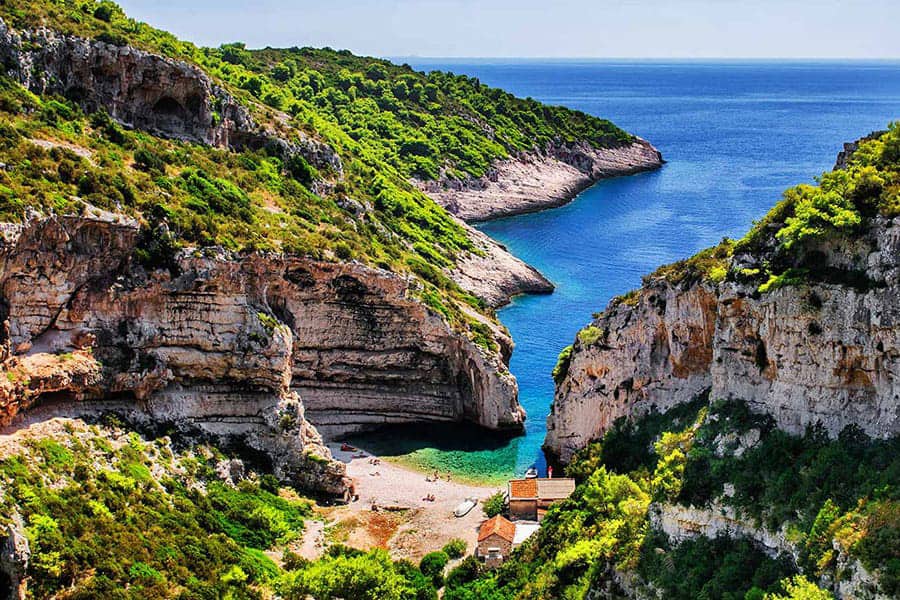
(263, 349)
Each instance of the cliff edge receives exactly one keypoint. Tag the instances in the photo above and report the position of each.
(799, 319)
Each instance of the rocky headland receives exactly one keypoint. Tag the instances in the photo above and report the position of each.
(263, 350)
(533, 181)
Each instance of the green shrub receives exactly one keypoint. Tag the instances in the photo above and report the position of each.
(590, 335)
(432, 566)
(455, 548)
(467, 571)
(800, 588)
(105, 11)
(149, 161)
(562, 364)
(358, 575)
(494, 505)
(720, 568)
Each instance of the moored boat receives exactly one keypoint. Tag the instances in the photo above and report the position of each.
(465, 507)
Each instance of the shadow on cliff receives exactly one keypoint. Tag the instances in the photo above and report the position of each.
(398, 440)
(474, 453)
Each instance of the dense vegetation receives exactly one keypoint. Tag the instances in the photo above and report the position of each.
(109, 514)
(844, 489)
(787, 239)
(418, 123)
(826, 494)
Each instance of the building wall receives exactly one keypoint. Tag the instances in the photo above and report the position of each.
(523, 509)
(494, 541)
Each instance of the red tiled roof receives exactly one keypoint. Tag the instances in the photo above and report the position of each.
(502, 527)
(523, 488)
(543, 489)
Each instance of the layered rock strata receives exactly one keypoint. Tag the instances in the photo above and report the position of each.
(648, 353)
(825, 352)
(245, 348)
(534, 181)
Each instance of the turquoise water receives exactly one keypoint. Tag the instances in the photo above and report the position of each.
(735, 135)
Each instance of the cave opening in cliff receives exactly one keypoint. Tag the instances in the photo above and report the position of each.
(4, 315)
(6, 586)
(76, 94)
(168, 106)
(762, 356)
(169, 115)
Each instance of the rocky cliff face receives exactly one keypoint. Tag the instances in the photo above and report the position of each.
(824, 350)
(222, 345)
(824, 353)
(538, 180)
(682, 523)
(144, 91)
(648, 353)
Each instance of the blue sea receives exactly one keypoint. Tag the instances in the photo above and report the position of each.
(735, 135)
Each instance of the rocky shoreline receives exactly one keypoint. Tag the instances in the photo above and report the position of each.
(536, 181)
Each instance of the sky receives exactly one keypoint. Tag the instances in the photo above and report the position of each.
(543, 28)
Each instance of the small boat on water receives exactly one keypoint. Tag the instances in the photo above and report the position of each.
(531, 473)
(465, 507)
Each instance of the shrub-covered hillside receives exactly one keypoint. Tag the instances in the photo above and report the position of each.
(415, 122)
(833, 501)
(110, 514)
(785, 245)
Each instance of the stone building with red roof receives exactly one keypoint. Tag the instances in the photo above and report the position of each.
(495, 541)
(529, 499)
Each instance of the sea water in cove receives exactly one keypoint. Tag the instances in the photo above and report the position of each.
(735, 135)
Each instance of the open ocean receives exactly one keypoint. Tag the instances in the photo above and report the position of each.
(735, 135)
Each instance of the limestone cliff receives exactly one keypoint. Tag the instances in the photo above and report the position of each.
(222, 344)
(681, 523)
(533, 181)
(647, 353)
(821, 348)
(144, 91)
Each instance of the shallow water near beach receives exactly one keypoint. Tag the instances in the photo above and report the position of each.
(735, 135)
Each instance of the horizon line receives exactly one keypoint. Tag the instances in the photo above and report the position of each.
(653, 58)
